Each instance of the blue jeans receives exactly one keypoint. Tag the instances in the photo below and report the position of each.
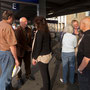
(68, 59)
(6, 65)
(84, 80)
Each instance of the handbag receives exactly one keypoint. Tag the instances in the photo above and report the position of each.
(44, 58)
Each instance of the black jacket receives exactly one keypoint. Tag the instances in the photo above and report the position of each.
(84, 49)
(42, 45)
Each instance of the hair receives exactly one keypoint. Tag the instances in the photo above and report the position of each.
(6, 14)
(68, 29)
(73, 22)
(41, 23)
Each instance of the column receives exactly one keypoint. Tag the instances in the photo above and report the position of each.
(42, 8)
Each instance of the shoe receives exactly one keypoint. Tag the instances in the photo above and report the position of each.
(21, 81)
(61, 80)
(31, 77)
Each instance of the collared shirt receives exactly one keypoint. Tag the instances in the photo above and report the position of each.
(7, 36)
(84, 48)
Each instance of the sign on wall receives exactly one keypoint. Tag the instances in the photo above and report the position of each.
(15, 6)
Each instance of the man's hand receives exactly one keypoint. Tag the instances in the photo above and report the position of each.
(13, 51)
(84, 64)
(16, 63)
(34, 62)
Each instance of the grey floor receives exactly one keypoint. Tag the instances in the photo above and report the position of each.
(55, 68)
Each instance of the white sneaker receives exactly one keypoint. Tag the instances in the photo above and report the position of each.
(61, 80)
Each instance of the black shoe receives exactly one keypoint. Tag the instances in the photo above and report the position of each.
(21, 81)
(9, 87)
(31, 77)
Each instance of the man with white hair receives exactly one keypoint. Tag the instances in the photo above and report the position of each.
(23, 35)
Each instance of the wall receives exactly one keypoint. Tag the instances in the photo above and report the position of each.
(77, 16)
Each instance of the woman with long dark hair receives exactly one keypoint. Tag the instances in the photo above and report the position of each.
(41, 50)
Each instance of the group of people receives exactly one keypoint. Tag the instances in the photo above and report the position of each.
(17, 45)
(75, 48)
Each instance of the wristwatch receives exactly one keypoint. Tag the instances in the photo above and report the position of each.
(79, 71)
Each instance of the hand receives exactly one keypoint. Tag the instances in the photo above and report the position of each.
(16, 63)
(80, 71)
(34, 62)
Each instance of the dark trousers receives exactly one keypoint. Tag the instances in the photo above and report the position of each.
(45, 76)
(84, 80)
(27, 63)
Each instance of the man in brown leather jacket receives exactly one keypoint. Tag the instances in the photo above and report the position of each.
(24, 44)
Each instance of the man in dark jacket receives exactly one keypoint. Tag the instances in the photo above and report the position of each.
(24, 44)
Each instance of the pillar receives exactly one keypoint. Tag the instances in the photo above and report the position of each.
(41, 8)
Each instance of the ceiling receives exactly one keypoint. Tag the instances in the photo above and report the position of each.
(53, 7)
(63, 7)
